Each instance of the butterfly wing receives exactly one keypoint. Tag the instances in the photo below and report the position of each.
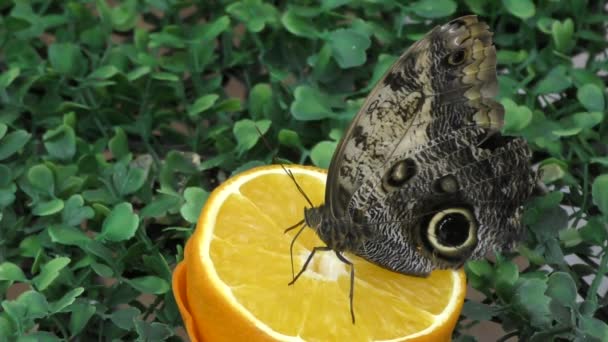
(423, 143)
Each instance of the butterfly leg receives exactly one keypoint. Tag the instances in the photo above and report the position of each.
(293, 241)
(352, 283)
(314, 250)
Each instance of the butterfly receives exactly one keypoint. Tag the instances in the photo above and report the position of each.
(423, 179)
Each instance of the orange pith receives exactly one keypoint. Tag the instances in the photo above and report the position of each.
(232, 284)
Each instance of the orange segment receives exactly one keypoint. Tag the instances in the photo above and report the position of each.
(232, 284)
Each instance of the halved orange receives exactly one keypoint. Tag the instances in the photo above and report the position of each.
(232, 283)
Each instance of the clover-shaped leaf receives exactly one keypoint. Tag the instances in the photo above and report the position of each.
(260, 100)
(195, 199)
(516, 117)
(75, 211)
(124, 318)
(297, 25)
(322, 153)
(11, 272)
(555, 81)
(562, 289)
(119, 144)
(50, 272)
(310, 104)
(121, 224)
(13, 142)
(599, 190)
(60, 142)
(202, 104)
(530, 298)
(434, 8)
(348, 47)
(523, 9)
(149, 284)
(247, 133)
(254, 13)
(562, 33)
(591, 97)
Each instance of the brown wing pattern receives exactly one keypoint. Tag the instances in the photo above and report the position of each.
(441, 84)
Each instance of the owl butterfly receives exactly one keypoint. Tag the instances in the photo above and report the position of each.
(423, 179)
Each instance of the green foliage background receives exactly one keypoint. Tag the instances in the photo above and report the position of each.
(117, 120)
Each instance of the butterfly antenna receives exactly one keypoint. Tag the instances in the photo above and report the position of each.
(288, 172)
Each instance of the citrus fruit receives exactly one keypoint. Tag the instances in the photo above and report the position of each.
(232, 283)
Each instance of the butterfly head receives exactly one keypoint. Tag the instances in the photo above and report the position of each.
(313, 217)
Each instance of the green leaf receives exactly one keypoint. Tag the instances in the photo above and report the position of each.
(506, 275)
(80, 316)
(600, 160)
(591, 97)
(322, 153)
(552, 170)
(478, 311)
(65, 58)
(149, 284)
(247, 134)
(153, 331)
(125, 318)
(119, 144)
(555, 81)
(40, 336)
(195, 200)
(41, 178)
(66, 300)
(254, 13)
(480, 268)
(67, 235)
(130, 182)
(124, 16)
(13, 142)
(562, 33)
(11, 272)
(260, 100)
(599, 189)
(530, 299)
(165, 76)
(310, 104)
(290, 138)
(202, 104)
(348, 47)
(577, 122)
(511, 57)
(562, 289)
(60, 142)
(298, 26)
(208, 32)
(594, 231)
(8, 77)
(49, 207)
(160, 206)
(433, 8)
(228, 105)
(50, 272)
(516, 117)
(523, 9)
(121, 224)
(3, 130)
(102, 270)
(104, 72)
(32, 304)
(593, 327)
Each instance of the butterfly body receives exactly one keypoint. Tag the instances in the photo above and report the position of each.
(423, 179)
